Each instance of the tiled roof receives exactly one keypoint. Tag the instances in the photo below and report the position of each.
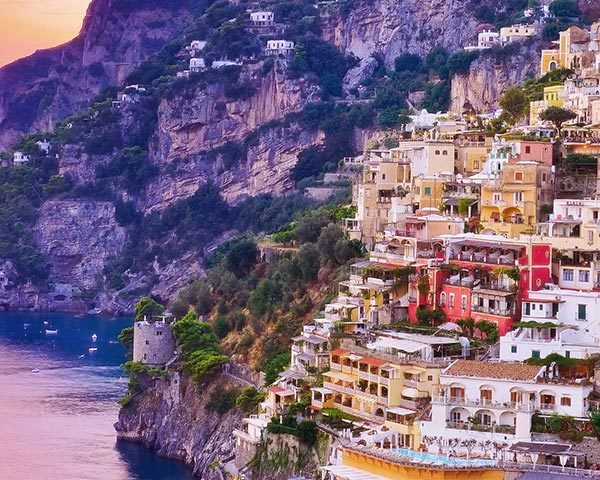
(339, 351)
(376, 362)
(499, 370)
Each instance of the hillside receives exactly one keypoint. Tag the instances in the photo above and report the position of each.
(133, 194)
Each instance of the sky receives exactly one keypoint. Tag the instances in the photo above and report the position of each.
(29, 25)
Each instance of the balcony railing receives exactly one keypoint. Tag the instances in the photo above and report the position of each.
(462, 401)
(476, 257)
(349, 391)
(500, 312)
(479, 427)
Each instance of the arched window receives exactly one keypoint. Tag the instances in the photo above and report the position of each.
(445, 152)
(451, 301)
(443, 298)
(437, 152)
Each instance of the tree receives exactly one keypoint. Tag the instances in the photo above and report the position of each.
(308, 261)
(557, 116)
(146, 308)
(595, 421)
(564, 8)
(515, 103)
(407, 62)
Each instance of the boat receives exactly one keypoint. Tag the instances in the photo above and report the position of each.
(82, 356)
(35, 370)
(94, 337)
(25, 325)
(92, 349)
(51, 332)
(79, 315)
(113, 342)
(95, 311)
(45, 323)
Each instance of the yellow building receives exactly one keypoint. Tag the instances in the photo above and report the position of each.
(428, 191)
(377, 388)
(552, 98)
(512, 199)
(470, 157)
(568, 53)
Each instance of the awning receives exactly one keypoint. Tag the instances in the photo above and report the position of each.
(340, 376)
(410, 392)
(545, 448)
(401, 411)
(322, 390)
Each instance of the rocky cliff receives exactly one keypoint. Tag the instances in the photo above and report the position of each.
(391, 28)
(116, 36)
(171, 417)
(489, 76)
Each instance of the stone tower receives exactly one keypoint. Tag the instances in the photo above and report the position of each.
(153, 343)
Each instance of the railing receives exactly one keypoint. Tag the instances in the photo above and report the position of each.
(501, 312)
(462, 401)
(478, 427)
(530, 467)
(349, 391)
(373, 377)
(461, 257)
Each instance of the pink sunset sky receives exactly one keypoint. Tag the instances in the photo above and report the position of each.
(29, 25)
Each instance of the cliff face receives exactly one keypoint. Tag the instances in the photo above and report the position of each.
(171, 418)
(37, 91)
(489, 76)
(391, 28)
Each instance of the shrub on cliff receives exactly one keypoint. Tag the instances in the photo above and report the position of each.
(146, 308)
(199, 346)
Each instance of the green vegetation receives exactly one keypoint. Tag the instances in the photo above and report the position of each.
(200, 350)
(306, 431)
(277, 365)
(514, 103)
(557, 116)
(147, 308)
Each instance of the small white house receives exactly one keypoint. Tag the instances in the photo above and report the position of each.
(44, 146)
(223, 63)
(19, 158)
(183, 74)
(280, 47)
(486, 39)
(516, 33)
(555, 320)
(197, 65)
(197, 46)
(262, 19)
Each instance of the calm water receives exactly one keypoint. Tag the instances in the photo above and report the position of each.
(58, 424)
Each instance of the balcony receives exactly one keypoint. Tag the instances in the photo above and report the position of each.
(349, 391)
(483, 257)
(479, 403)
(500, 312)
(474, 427)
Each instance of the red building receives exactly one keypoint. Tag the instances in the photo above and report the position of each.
(483, 277)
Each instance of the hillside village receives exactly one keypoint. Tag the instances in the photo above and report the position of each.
(467, 341)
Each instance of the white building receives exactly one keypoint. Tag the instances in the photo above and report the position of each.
(310, 350)
(197, 65)
(485, 400)
(19, 158)
(44, 146)
(196, 46)
(279, 47)
(558, 321)
(262, 19)
(223, 63)
(486, 39)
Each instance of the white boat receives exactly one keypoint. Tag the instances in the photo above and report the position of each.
(95, 311)
(94, 337)
(51, 332)
(92, 349)
(81, 356)
(35, 370)
(45, 323)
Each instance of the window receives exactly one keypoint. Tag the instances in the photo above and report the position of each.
(513, 349)
(518, 197)
(476, 165)
(455, 417)
(565, 401)
(584, 276)
(518, 176)
(427, 191)
(463, 302)
(147, 342)
(445, 152)
(497, 198)
(527, 149)
(581, 312)
(437, 152)
(451, 301)
(443, 298)
(535, 354)
(568, 274)
(544, 177)
(383, 176)
(159, 333)
(567, 354)
(533, 306)
(430, 378)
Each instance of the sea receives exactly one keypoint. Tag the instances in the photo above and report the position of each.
(58, 402)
